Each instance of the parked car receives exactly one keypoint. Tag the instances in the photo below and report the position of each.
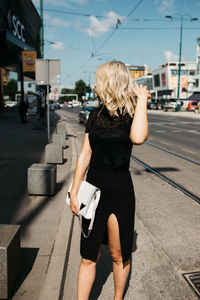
(10, 103)
(154, 106)
(84, 114)
(170, 106)
(188, 105)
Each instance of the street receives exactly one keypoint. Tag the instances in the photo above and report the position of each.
(167, 222)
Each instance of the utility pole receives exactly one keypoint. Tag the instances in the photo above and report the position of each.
(180, 44)
(180, 54)
(41, 30)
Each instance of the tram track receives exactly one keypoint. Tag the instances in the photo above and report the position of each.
(166, 179)
(173, 153)
(173, 183)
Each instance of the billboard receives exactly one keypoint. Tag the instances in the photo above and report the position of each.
(28, 59)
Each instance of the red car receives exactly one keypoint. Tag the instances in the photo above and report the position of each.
(192, 104)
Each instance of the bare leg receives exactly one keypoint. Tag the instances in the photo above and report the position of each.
(120, 271)
(86, 276)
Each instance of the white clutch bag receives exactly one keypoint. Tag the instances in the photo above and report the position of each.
(88, 198)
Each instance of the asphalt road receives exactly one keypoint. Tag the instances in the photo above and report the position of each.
(178, 134)
(167, 222)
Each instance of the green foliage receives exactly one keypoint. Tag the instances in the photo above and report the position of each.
(67, 91)
(11, 89)
(88, 89)
(80, 88)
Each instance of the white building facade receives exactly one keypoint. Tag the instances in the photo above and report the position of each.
(197, 75)
(165, 79)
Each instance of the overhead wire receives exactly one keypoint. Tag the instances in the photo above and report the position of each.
(70, 12)
(108, 38)
(119, 22)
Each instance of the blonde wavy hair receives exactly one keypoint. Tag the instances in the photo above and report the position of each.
(114, 87)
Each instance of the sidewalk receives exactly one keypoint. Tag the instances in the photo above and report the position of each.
(187, 114)
(49, 266)
(39, 216)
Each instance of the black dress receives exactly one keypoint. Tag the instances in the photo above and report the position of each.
(109, 171)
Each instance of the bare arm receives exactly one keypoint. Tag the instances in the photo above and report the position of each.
(81, 168)
(139, 128)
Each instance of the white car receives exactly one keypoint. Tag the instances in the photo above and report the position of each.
(10, 103)
(171, 106)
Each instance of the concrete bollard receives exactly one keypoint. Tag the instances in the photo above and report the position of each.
(42, 179)
(59, 139)
(9, 258)
(54, 154)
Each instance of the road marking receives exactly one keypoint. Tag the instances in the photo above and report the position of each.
(160, 131)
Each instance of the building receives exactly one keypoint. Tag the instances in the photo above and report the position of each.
(19, 31)
(197, 74)
(165, 79)
(137, 71)
(146, 80)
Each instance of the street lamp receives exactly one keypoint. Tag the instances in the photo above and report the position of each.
(180, 44)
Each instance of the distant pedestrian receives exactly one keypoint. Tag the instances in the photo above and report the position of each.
(52, 110)
(111, 131)
(23, 110)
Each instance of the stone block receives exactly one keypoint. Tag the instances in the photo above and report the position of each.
(54, 154)
(42, 179)
(59, 139)
(9, 258)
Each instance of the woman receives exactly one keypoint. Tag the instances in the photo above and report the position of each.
(111, 131)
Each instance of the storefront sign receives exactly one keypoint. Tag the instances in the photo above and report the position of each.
(18, 28)
(29, 58)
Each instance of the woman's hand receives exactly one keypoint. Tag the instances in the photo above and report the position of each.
(141, 92)
(74, 206)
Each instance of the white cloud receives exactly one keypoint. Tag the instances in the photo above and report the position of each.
(58, 46)
(170, 55)
(165, 6)
(99, 27)
(56, 21)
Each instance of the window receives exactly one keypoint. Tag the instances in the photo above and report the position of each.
(184, 72)
(175, 72)
(157, 80)
(192, 72)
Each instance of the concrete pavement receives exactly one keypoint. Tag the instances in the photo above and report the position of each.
(40, 216)
(166, 225)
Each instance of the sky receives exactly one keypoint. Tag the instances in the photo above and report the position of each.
(86, 33)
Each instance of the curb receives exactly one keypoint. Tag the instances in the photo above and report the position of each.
(174, 114)
(56, 273)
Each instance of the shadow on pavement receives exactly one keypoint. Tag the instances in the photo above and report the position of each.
(104, 268)
(163, 169)
(20, 146)
(28, 257)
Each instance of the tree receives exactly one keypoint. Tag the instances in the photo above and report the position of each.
(80, 88)
(67, 91)
(11, 89)
(88, 89)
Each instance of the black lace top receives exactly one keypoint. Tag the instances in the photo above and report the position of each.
(109, 139)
